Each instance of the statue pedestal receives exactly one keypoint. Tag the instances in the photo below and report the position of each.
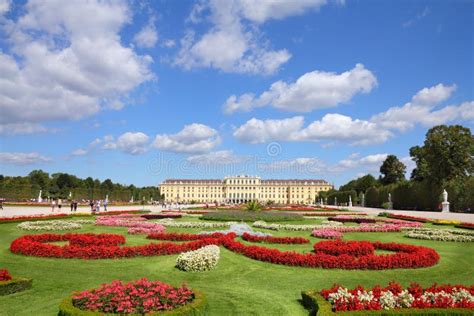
(350, 203)
(445, 207)
(390, 205)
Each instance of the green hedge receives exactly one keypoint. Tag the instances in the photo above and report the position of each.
(317, 305)
(197, 307)
(15, 285)
(248, 216)
(343, 197)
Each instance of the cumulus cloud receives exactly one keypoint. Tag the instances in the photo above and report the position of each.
(222, 157)
(422, 109)
(134, 143)
(67, 65)
(23, 128)
(193, 139)
(302, 165)
(5, 6)
(332, 127)
(370, 163)
(148, 36)
(18, 158)
(233, 43)
(313, 90)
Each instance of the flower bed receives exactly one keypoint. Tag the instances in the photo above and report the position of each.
(13, 219)
(465, 225)
(92, 246)
(239, 230)
(404, 256)
(339, 247)
(54, 225)
(135, 223)
(161, 216)
(333, 213)
(352, 219)
(274, 240)
(181, 236)
(135, 298)
(125, 212)
(168, 222)
(389, 226)
(408, 218)
(203, 259)
(392, 298)
(251, 216)
(10, 285)
(445, 222)
(291, 227)
(440, 234)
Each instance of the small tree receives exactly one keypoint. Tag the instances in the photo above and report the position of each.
(392, 170)
(253, 206)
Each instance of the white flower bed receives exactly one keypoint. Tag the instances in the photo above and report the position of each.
(440, 234)
(292, 227)
(239, 230)
(168, 222)
(54, 225)
(203, 259)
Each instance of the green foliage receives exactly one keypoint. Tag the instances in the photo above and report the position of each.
(392, 170)
(461, 194)
(251, 216)
(15, 285)
(342, 197)
(59, 185)
(361, 184)
(197, 307)
(317, 305)
(253, 206)
(447, 154)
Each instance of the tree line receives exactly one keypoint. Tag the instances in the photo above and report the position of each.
(445, 161)
(64, 185)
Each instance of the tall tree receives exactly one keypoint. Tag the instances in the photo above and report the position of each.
(447, 154)
(392, 170)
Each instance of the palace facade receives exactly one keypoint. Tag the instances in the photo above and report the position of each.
(242, 189)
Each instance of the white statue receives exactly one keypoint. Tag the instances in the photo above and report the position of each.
(107, 198)
(445, 203)
(350, 201)
(40, 199)
(389, 198)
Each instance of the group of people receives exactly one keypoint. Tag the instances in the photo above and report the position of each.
(56, 203)
(95, 205)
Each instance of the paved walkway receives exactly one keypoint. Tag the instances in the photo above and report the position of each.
(463, 217)
(37, 210)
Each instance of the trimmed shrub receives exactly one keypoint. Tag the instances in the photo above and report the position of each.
(251, 216)
(15, 285)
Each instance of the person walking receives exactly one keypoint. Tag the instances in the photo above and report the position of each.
(53, 205)
(106, 202)
(98, 206)
(91, 204)
(75, 206)
(60, 204)
(72, 205)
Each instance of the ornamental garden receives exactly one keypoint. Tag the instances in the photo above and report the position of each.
(287, 261)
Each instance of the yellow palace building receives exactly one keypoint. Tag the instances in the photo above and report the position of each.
(242, 189)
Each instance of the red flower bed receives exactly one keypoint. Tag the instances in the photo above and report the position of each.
(394, 296)
(404, 256)
(4, 275)
(31, 217)
(325, 214)
(160, 216)
(339, 247)
(409, 218)
(275, 240)
(358, 220)
(138, 297)
(466, 225)
(123, 212)
(37, 245)
(182, 237)
(85, 240)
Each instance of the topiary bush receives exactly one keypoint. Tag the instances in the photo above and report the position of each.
(15, 285)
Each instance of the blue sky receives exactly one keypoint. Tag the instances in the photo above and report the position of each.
(142, 91)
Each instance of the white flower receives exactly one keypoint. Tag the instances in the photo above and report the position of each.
(53, 225)
(203, 259)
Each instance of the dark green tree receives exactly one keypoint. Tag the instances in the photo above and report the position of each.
(447, 154)
(392, 170)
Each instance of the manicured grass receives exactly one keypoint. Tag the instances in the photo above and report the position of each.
(238, 286)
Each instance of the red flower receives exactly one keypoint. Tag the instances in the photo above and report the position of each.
(5, 275)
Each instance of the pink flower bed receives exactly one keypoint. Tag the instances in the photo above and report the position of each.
(136, 224)
(139, 298)
(337, 232)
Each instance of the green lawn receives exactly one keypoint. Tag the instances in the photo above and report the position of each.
(238, 286)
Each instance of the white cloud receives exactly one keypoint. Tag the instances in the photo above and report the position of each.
(68, 61)
(332, 127)
(313, 90)
(168, 43)
(233, 43)
(194, 139)
(23, 128)
(5, 6)
(422, 110)
(134, 143)
(302, 165)
(16, 158)
(257, 131)
(148, 36)
(222, 157)
(80, 152)
(369, 163)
